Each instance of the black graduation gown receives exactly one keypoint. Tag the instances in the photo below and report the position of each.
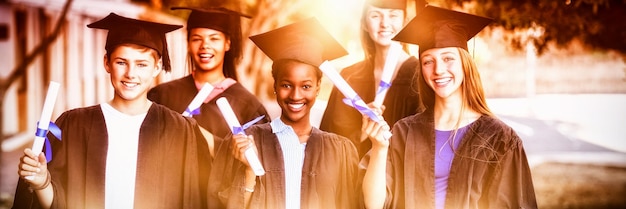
(177, 95)
(329, 173)
(489, 169)
(172, 169)
(401, 100)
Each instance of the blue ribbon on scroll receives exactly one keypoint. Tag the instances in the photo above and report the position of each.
(240, 130)
(193, 112)
(56, 131)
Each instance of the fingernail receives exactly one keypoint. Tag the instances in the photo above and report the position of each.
(38, 170)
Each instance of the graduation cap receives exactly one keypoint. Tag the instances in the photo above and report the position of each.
(436, 27)
(388, 4)
(123, 30)
(217, 18)
(305, 41)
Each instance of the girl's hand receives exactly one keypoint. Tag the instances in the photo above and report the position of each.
(373, 130)
(240, 144)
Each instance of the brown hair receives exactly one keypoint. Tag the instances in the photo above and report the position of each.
(155, 53)
(232, 56)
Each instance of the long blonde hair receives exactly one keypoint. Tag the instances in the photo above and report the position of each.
(368, 45)
(472, 95)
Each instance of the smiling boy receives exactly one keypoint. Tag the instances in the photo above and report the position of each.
(128, 152)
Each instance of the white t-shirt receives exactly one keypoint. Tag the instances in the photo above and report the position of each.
(121, 159)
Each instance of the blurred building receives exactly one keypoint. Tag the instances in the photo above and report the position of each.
(74, 58)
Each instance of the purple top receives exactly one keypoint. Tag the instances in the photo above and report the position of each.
(443, 161)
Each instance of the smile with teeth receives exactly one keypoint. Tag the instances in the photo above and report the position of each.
(386, 33)
(296, 105)
(129, 84)
(442, 81)
(206, 56)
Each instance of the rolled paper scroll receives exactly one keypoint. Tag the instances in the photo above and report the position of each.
(235, 127)
(194, 105)
(351, 95)
(388, 70)
(44, 120)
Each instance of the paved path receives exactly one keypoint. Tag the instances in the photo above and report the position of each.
(594, 118)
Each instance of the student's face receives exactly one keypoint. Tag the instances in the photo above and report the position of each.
(207, 48)
(382, 24)
(443, 71)
(296, 87)
(132, 69)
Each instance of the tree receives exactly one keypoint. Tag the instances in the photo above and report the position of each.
(597, 23)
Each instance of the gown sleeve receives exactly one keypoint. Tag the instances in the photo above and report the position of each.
(512, 185)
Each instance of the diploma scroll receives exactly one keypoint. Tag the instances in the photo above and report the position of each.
(44, 120)
(350, 94)
(388, 70)
(236, 128)
(194, 105)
